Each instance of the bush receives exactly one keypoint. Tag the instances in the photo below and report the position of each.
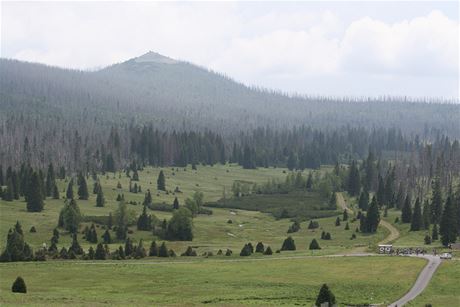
(228, 252)
(268, 251)
(260, 247)
(288, 244)
(313, 225)
(295, 227)
(246, 250)
(33, 229)
(19, 286)
(189, 252)
(314, 245)
(427, 240)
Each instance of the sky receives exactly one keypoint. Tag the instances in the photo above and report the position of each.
(326, 48)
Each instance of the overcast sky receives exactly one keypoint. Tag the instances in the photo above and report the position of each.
(326, 48)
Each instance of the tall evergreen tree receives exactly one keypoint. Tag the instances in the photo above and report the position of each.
(35, 197)
(144, 222)
(161, 182)
(325, 296)
(426, 214)
(435, 233)
(100, 201)
(373, 216)
(176, 204)
(50, 180)
(69, 192)
(448, 224)
(354, 181)
(436, 201)
(417, 219)
(406, 213)
(363, 202)
(82, 187)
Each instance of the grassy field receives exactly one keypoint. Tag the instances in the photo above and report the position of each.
(272, 282)
(211, 232)
(296, 204)
(443, 289)
(409, 238)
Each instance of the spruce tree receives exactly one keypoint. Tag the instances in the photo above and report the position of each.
(144, 222)
(288, 244)
(435, 233)
(260, 247)
(176, 203)
(354, 181)
(82, 187)
(161, 182)
(325, 296)
(345, 215)
(426, 215)
(35, 197)
(69, 192)
(100, 201)
(436, 201)
(100, 253)
(380, 194)
(50, 180)
(373, 216)
(448, 224)
(19, 286)
(406, 212)
(268, 251)
(363, 202)
(163, 251)
(153, 251)
(417, 220)
(147, 199)
(7, 195)
(106, 237)
(314, 245)
(337, 221)
(55, 192)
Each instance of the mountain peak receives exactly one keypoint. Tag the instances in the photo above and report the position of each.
(153, 57)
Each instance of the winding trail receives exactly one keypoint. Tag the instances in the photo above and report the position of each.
(425, 275)
(422, 281)
(394, 233)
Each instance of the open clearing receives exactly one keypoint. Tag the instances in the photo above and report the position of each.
(271, 282)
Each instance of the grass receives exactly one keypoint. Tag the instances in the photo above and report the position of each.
(296, 204)
(409, 238)
(443, 289)
(272, 282)
(211, 232)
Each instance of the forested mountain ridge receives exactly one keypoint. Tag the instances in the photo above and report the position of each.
(159, 111)
(179, 95)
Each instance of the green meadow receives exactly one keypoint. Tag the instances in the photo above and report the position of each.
(273, 282)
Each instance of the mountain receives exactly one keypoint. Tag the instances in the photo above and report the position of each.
(173, 94)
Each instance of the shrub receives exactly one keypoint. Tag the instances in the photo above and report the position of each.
(313, 225)
(260, 247)
(288, 244)
(325, 296)
(228, 252)
(268, 251)
(19, 286)
(33, 229)
(314, 245)
(427, 239)
(163, 251)
(295, 227)
(189, 252)
(246, 250)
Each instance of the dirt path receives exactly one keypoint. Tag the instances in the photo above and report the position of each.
(394, 233)
(342, 203)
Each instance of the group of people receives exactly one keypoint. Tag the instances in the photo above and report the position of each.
(410, 251)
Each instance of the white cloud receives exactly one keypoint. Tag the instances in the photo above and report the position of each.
(425, 45)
